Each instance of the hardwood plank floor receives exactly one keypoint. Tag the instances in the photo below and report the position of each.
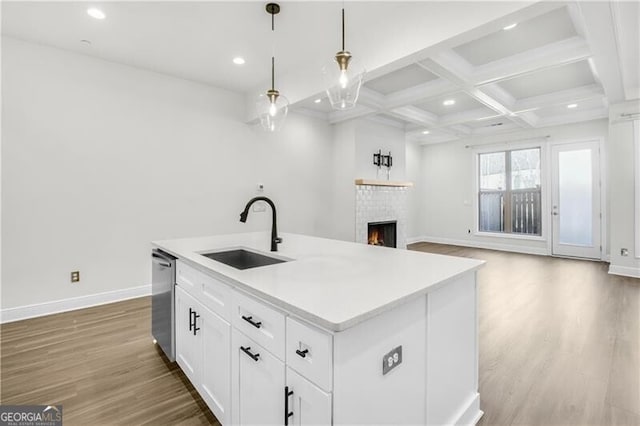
(559, 345)
(559, 340)
(101, 365)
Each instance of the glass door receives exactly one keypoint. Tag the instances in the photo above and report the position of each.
(575, 206)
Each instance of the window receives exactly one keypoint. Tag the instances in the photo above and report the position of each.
(636, 135)
(509, 198)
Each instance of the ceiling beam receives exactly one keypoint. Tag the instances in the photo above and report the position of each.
(563, 52)
(596, 20)
(559, 98)
(416, 94)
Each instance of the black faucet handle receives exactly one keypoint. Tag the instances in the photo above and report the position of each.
(277, 240)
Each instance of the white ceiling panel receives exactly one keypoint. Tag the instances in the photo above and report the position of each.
(539, 31)
(463, 102)
(581, 106)
(403, 78)
(550, 80)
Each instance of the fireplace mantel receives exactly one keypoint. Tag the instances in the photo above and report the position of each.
(382, 182)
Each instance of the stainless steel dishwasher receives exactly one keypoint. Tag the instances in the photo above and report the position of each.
(163, 282)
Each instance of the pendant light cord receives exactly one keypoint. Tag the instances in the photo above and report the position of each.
(343, 29)
(273, 51)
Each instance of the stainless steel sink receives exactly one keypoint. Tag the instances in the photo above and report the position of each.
(242, 259)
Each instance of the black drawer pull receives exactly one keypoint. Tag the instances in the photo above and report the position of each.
(247, 351)
(303, 354)
(191, 320)
(253, 323)
(195, 326)
(287, 413)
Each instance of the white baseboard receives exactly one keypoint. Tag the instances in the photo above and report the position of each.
(542, 251)
(418, 239)
(470, 414)
(625, 271)
(57, 306)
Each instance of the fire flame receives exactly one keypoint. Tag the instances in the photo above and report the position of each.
(375, 238)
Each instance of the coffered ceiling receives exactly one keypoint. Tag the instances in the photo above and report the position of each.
(561, 63)
(418, 55)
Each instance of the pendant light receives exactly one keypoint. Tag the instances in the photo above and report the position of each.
(343, 78)
(272, 107)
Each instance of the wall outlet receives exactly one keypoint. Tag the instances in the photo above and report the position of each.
(391, 360)
(624, 252)
(75, 276)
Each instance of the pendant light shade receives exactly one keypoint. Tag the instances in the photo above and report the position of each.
(271, 106)
(343, 78)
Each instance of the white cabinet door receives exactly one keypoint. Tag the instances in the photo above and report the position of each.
(258, 383)
(215, 386)
(308, 404)
(188, 350)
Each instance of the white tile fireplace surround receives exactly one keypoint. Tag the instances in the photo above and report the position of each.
(381, 203)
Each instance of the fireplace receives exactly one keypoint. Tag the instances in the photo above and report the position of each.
(382, 233)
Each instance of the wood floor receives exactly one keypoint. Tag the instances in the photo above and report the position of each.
(559, 345)
(101, 365)
(559, 340)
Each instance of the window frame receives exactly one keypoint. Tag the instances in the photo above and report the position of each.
(488, 149)
(636, 140)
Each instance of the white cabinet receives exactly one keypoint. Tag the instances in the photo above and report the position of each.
(188, 341)
(203, 352)
(307, 403)
(258, 383)
(216, 363)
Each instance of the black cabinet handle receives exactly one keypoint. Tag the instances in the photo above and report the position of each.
(303, 354)
(253, 323)
(195, 319)
(287, 413)
(191, 321)
(247, 351)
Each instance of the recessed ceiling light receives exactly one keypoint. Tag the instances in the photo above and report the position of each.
(317, 101)
(96, 13)
(572, 106)
(449, 102)
(510, 27)
(426, 132)
(238, 60)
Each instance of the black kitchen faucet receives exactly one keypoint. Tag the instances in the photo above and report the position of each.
(275, 240)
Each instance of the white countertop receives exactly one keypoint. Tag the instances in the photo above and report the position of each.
(333, 284)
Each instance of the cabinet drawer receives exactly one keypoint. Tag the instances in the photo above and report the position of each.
(310, 352)
(187, 278)
(212, 293)
(260, 322)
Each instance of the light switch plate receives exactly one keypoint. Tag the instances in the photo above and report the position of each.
(391, 360)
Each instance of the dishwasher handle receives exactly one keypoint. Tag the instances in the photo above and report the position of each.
(157, 258)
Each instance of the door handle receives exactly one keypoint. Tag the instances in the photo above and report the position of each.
(195, 319)
(287, 413)
(247, 351)
(555, 213)
(250, 320)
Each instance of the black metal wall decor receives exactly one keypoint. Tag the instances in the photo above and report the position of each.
(381, 160)
(377, 158)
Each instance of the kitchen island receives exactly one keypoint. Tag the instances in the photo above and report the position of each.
(338, 333)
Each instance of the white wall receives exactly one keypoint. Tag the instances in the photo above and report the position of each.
(371, 137)
(99, 159)
(622, 190)
(414, 198)
(354, 143)
(446, 193)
